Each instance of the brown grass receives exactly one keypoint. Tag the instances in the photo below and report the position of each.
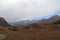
(45, 33)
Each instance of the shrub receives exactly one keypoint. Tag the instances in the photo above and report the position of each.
(56, 26)
(34, 25)
(26, 27)
(13, 28)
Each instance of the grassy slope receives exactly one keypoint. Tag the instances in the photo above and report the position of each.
(46, 33)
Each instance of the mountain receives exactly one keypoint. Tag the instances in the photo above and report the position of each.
(4, 25)
(49, 20)
(3, 22)
(52, 22)
(43, 21)
(22, 23)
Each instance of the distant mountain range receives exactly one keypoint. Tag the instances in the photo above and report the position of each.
(43, 21)
(22, 23)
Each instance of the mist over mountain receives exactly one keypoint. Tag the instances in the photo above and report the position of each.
(19, 9)
(22, 22)
(39, 21)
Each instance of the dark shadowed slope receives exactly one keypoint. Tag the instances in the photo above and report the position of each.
(3, 22)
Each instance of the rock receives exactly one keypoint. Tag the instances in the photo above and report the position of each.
(2, 36)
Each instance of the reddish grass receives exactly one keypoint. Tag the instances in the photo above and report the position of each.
(32, 34)
(35, 34)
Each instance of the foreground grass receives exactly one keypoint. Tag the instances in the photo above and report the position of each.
(32, 34)
(35, 34)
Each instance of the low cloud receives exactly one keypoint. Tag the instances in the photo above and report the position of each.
(18, 9)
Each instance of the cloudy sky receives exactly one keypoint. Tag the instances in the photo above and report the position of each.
(14, 10)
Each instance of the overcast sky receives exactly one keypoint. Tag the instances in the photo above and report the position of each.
(14, 10)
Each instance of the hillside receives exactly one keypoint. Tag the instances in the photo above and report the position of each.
(49, 20)
(48, 32)
(3, 22)
(34, 31)
(4, 25)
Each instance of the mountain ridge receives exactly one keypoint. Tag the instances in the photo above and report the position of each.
(43, 21)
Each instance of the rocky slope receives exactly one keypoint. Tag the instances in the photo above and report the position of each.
(3, 22)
